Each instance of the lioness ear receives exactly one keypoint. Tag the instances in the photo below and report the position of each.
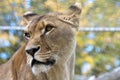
(72, 15)
(28, 16)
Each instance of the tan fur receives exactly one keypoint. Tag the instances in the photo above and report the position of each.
(58, 44)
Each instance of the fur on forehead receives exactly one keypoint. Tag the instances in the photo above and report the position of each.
(36, 20)
(33, 23)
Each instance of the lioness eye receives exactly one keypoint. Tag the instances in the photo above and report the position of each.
(49, 28)
(27, 35)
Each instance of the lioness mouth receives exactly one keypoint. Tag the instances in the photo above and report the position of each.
(47, 62)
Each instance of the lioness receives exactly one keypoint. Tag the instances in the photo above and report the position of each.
(49, 52)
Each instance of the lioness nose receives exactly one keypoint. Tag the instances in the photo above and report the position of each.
(32, 51)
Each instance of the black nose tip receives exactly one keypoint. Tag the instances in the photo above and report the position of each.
(32, 51)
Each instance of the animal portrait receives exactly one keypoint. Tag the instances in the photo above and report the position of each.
(49, 49)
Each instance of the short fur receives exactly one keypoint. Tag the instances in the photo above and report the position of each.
(59, 44)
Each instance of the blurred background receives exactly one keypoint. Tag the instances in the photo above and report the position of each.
(97, 52)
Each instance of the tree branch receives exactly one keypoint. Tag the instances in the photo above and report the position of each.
(112, 75)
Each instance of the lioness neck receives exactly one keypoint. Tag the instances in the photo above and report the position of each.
(64, 71)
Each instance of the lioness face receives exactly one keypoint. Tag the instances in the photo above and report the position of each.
(50, 39)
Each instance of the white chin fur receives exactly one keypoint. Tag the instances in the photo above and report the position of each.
(37, 69)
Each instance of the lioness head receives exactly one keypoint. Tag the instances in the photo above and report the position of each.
(50, 38)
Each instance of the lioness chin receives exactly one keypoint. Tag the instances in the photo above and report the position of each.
(49, 51)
